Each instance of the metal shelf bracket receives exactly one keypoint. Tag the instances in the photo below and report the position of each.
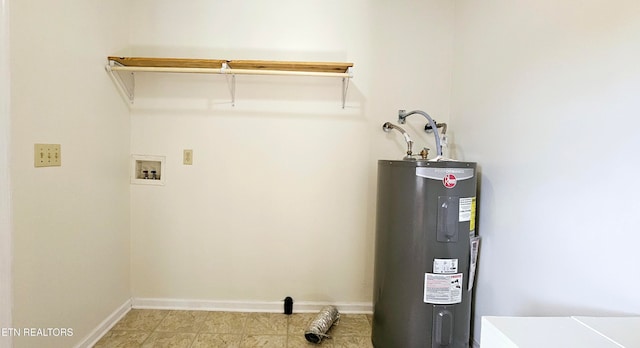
(345, 85)
(231, 83)
(125, 80)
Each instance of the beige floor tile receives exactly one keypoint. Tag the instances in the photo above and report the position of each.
(169, 340)
(263, 341)
(141, 319)
(298, 341)
(266, 324)
(299, 322)
(352, 342)
(205, 340)
(351, 325)
(183, 321)
(370, 318)
(122, 339)
(201, 329)
(225, 322)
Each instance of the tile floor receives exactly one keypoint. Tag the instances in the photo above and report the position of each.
(196, 329)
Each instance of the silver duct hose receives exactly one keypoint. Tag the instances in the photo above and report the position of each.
(402, 115)
(318, 328)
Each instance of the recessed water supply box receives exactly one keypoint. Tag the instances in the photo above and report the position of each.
(147, 170)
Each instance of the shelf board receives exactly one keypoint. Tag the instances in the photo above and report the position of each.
(322, 67)
(328, 67)
(168, 62)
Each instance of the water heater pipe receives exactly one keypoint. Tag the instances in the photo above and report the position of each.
(403, 114)
(428, 129)
(388, 126)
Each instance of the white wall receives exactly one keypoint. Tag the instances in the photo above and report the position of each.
(70, 223)
(545, 98)
(5, 195)
(280, 199)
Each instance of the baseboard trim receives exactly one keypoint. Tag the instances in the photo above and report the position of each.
(248, 306)
(106, 325)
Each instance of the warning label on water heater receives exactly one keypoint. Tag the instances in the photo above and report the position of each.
(442, 288)
(445, 265)
(466, 208)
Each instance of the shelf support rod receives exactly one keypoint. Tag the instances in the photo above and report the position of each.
(231, 71)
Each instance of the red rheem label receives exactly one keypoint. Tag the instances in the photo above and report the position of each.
(449, 181)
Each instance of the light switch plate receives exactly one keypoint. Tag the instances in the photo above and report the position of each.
(47, 155)
(187, 157)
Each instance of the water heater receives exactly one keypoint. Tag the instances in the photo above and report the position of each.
(424, 254)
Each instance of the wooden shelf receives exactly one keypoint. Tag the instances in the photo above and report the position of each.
(168, 62)
(322, 67)
(326, 67)
(118, 66)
